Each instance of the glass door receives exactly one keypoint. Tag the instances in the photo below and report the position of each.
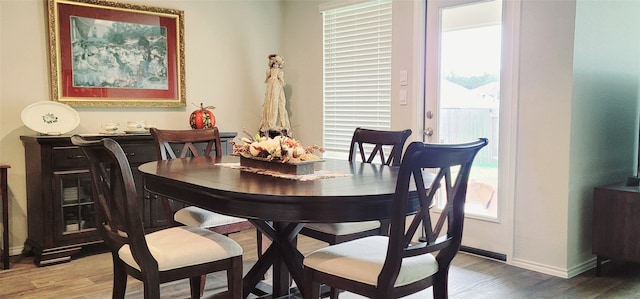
(73, 204)
(464, 55)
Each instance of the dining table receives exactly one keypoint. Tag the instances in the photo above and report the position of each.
(278, 206)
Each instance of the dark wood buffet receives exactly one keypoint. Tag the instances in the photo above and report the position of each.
(59, 204)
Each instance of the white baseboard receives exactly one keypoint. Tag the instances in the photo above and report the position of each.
(15, 250)
(555, 271)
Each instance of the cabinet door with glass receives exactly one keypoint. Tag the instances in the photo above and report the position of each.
(74, 215)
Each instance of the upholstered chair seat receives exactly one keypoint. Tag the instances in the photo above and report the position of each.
(344, 228)
(362, 260)
(168, 248)
(198, 217)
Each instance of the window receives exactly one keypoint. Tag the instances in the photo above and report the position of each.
(356, 72)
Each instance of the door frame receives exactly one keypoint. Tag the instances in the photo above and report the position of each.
(507, 131)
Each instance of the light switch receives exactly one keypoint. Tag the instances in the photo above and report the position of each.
(403, 97)
(403, 78)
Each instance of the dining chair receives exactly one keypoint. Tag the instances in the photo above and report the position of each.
(172, 144)
(401, 264)
(369, 146)
(162, 256)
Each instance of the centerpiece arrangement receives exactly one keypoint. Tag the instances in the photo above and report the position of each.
(273, 149)
(280, 153)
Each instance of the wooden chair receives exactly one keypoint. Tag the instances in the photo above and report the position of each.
(370, 146)
(162, 256)
(395, 266)
(172, 144)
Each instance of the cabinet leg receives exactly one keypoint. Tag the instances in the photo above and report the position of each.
(27, 249)
(598, 265)
(49, 256)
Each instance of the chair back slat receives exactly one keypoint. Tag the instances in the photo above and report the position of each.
(117, 211)
(377, 141)
(452, 165)
(190, 143)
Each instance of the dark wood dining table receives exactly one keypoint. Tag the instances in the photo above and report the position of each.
(278, 207)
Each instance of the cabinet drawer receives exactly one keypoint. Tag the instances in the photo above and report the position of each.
(139, 152)
(72, 157)
(69, 157)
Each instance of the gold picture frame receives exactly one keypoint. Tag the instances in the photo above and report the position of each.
(113, 54)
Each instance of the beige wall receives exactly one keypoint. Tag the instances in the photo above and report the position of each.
(544, 115)
(577, 125)
(604, 109)
(302, 44)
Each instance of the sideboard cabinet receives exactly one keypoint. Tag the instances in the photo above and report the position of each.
(60, 212)
(616, 224)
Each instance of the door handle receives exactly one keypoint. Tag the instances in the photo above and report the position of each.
(428, 132)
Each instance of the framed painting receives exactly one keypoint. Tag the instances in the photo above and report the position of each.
(113, 54)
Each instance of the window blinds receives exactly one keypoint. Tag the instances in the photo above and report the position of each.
(356, 71)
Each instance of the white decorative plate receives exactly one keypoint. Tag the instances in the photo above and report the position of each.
(50, 118)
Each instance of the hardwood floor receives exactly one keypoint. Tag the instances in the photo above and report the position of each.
(89, 276)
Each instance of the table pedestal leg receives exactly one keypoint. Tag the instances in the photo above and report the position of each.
(282, 254)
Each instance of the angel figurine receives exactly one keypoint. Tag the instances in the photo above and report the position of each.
(274, 111)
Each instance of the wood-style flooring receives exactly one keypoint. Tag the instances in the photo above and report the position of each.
(90, 276)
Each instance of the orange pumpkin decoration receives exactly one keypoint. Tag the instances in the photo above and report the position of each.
(202, 118)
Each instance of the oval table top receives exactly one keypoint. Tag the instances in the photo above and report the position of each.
(365, 193)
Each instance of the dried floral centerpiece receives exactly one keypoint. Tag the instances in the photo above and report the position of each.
(281, 153)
